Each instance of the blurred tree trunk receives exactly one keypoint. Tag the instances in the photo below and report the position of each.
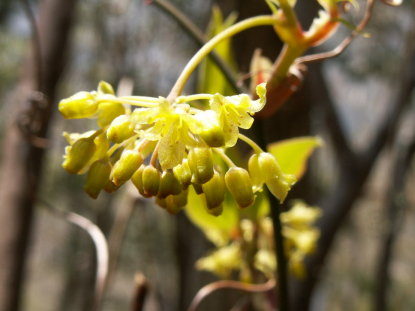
(23, 152)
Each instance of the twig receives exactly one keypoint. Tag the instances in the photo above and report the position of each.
(197, 35)
(396, 205)
(338, 205)
(141, 290)
(210, 288)
(344, 44)
(100, 244)
(339, 139)
(37, 52)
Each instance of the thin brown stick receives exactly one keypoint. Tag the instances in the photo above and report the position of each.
(101, 248)
(36, 48)
(140, 294)
(345, 43)
(210, 288)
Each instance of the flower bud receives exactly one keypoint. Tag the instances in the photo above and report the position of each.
(125, 167)
(269, 166)
(278, 187)
(255, 172)
(120, 129)
(201, 164)
(80, 105)
(277, 182)
(214, 191)
(198, 188)
(151, 181)
(183, 174)
(110, 187)
(105, 88)
(169, 185)
(98, 177)
(137, 179)
(175, 203)
(78, 155)
(240, 186)
(216, 211)
(170, 206)
(180, 199)
(108, 111)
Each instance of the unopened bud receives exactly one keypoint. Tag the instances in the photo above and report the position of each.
(216, 211)
(78, 155)
(175, 203)
(240, 186)
(137, 179)
(98, 177)
(151, 181)
(183, 173)
(180, 199)
(269, 166)
(277, 182)
(110, 187)
(105, 88)
(108, 111)
(255, 172)
(125, 167)
(278, 187)
(169, 185)
(120, 129)
(80, 105)
(198, 188)
(214, 191)
(201, 164)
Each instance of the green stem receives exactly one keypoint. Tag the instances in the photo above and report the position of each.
(282, 275)
(263, 20)
(224, 157)
(184, 99)
(251, 143)
(282, 65)
(135, 103)
(291, 19)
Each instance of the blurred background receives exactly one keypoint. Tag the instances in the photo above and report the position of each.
(361, 103)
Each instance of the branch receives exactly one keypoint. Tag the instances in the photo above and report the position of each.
(100, 244)
(37, 51)
(338, 137)
(345, 43)
(351, 181)
(396, 207)
(141, 290)
(210, 288)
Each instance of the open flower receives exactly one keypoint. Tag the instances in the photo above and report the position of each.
(236, 111)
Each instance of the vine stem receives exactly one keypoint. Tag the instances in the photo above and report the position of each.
(262, 20)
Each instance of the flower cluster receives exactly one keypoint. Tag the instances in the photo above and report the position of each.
(185, 146)
(300, 240)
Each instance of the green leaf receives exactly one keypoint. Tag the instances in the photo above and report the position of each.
(218, 229)
(292, 154)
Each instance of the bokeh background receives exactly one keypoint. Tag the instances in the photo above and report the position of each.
(365, 96)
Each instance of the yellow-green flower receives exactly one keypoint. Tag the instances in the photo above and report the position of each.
(236, 111)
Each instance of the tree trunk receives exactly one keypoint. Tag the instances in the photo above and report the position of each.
(23, 150)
